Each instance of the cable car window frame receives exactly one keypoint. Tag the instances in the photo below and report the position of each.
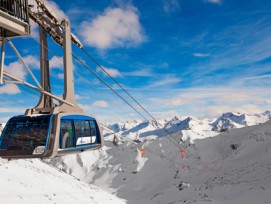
(77, 119)
(83, 136)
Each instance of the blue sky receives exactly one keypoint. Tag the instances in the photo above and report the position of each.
(186, 57)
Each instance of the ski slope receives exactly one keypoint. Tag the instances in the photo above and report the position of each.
(32, 181)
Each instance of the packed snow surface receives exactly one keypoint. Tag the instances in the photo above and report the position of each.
(32, 181)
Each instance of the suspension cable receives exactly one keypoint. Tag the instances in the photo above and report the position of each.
(163, 128)
(105, 83)
(28, 91)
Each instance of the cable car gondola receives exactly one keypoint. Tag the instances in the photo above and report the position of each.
(49, 135)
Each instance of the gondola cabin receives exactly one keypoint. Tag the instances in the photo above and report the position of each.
(50, 135)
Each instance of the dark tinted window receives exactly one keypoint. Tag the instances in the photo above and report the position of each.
(25, 132)
(67, 134)
(83, 132)
(93, 128)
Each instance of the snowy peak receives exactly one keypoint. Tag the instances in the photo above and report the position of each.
(177, 124)
(187, 123)
(230, 120)
(223, 124)
(267, 114)
(236, 117)
(121, 127)
(117, 127)
(237, 120)
(143, 127)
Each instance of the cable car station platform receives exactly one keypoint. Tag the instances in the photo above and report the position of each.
(14, 20)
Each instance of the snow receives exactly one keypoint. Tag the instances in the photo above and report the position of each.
(127, 125)
(236, 120)
(33, 181)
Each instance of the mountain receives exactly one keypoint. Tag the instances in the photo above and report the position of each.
(232, 167)
(236, 120)
(121, 127)
(267, 114)
(190, 128)
(199, 128)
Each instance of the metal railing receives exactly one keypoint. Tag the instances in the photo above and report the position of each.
(16, 8)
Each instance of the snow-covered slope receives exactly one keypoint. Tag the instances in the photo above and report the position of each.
(32, 181)
(233, 167)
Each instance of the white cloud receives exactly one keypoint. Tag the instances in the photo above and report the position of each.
(171, 6)
(214, 101)
(168, 80)
(116, 27)
(16, 69)
(32, 61)
(113, 72)
(12, 110)
(214, 111)
(9, 89)
(142, 72)
(52, 5)
(34, 28)
(175, 101)
(214, 1)
(4, 120)
(60, 76)
(197, 54)
(57, 11)
(55, 62)
(79, 97)
(100, 103)
(85, 107)
(266, 76)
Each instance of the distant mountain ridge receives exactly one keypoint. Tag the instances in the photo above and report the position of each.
(200, 127)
